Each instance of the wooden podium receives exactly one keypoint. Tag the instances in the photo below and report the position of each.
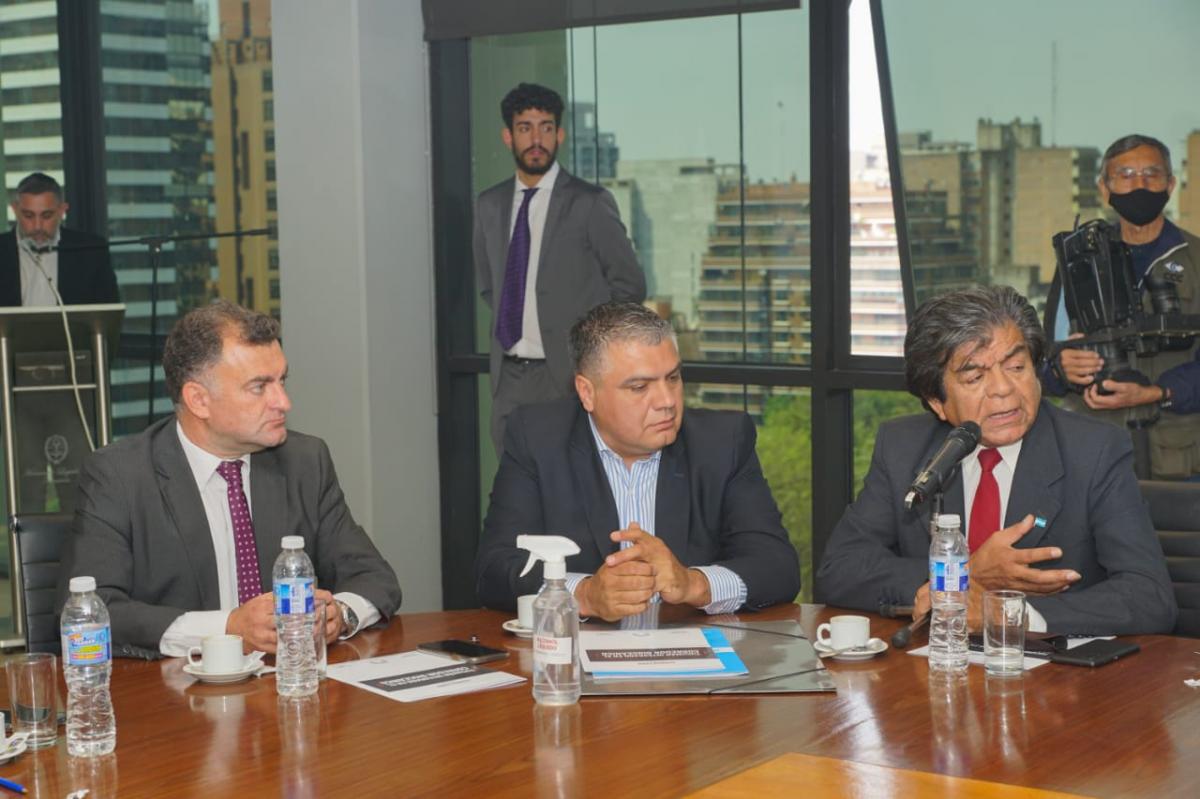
(38, 403)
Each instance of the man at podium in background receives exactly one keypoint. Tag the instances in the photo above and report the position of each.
(29, 256)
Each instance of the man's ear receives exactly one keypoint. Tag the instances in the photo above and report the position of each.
(938, 407)
(586, 392)
(195, 398)
(506, 137)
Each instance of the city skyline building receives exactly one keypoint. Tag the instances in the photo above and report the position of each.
(243, 103)
(1187, 178)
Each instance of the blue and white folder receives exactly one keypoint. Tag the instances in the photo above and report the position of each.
(672, 653)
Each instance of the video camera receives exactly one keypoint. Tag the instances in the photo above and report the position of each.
(1104, 302)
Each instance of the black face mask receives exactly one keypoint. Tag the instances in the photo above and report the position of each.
(1140, 206)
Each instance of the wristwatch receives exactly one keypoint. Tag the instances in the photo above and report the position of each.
(349, 617)
(1166, 402)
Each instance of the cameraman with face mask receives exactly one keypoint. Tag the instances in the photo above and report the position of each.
(1136, 180)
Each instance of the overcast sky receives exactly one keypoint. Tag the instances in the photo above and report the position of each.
(670, 89)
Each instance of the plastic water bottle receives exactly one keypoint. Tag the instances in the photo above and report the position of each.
(556, 670)
(87, 666)
(294, 582)
(948, 582)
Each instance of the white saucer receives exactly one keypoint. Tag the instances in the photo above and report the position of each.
(13, 746)
(873, 648)
(514, 627)
(249, 669)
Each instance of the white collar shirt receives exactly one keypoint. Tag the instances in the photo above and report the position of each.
(530, 343)
(35, 286)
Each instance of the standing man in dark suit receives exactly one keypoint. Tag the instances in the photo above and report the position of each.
(181, 524)
(661, 505)
(30, 259)
(1076, 536)
(548, 247)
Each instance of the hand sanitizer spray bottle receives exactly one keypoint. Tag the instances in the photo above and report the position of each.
(556, 670)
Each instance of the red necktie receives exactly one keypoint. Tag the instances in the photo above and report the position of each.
(985, 509)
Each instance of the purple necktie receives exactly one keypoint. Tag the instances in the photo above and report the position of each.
(249, 583)
(516, 269)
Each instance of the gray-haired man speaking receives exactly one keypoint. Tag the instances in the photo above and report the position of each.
(662, 504)
(1049, 498)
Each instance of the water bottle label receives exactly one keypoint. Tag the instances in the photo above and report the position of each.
(551, 651)
(294, 596)
(86, 647)
(948, 575)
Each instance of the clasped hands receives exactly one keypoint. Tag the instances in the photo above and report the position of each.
(998, 564)
(255, 622)
(627, 580)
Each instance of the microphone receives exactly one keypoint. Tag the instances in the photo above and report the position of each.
(961, 441)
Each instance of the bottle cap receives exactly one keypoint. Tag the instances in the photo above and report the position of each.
(948, 520)
(82, 585)
(293, 542)
(552, 550)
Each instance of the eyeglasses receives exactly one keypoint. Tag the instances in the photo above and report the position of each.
(1150, 174)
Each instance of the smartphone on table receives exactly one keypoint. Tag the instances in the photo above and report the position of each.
(466, 651)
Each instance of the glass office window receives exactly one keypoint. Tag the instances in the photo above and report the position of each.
(877, 318)
(709, 166)
(785, 450)
(189, 136)
(1000, 151)
(708, 163)
(872, 408)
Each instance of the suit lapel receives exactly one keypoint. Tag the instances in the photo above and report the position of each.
(268, 509)
(503, 222)
(560, 198)
(10, 270)
(674, 498)
(181, 499)
(591, 485)
(1034, 486)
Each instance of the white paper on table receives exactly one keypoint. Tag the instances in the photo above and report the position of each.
(1028, 662)
(413, 676)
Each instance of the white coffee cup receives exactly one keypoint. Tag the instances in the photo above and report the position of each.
(525, 610)
(845, 632)
(220, 654)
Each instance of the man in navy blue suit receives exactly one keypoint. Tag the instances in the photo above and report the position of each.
(665, 506)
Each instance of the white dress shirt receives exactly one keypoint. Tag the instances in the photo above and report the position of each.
(635, 492)
(35, 290)
(194, 626)
(1003, 472)
(530, 343)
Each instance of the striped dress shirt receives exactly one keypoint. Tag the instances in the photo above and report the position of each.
(635, 491)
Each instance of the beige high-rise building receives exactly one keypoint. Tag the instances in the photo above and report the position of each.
(244, 154)
(1188, 177)
(1051, 186)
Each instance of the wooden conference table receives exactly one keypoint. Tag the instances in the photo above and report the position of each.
(1131, 728)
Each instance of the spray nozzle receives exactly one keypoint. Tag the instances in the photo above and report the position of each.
(553, 550)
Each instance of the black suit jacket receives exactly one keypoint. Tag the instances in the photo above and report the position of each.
(141, 531)
(1075, 472)
(85, 277)
(713, 507)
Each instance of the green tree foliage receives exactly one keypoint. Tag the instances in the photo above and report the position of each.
(785, 450)
(870, 409)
